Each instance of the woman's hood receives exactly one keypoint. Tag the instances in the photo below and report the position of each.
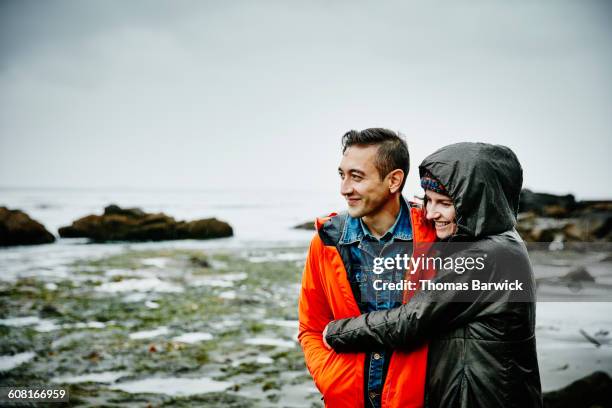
(484, 182)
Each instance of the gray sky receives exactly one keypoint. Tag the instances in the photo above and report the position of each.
(256, 94)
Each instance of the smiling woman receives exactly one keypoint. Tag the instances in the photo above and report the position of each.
(440, 209)
(439, 206)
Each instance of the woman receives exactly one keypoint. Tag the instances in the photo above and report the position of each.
(481, 342)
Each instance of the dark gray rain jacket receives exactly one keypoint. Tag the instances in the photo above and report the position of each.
(482, 349)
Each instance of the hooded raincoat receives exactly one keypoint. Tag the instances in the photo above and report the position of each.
(482, 350)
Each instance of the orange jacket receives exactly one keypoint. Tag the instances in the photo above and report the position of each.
(326, 295)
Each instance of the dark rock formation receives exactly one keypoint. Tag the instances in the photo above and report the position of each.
(539, 229)
(592, 391)
(114, 209)
(549, 205)
(203, 229)
(50, 311)
(17, 228)
(133, 224)
(199, 261)
(578, 274)
(308, 225)
(547, 218)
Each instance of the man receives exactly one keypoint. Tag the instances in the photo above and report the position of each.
(339, 280)
(482, 349)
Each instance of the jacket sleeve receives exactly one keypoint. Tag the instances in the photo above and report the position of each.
(329, 369)
(427, 314)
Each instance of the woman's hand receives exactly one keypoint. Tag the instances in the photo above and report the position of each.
(324, 334)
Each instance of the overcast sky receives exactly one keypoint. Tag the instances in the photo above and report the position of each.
(256, 94)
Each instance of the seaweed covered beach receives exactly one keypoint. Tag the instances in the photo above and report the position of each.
(166, 327)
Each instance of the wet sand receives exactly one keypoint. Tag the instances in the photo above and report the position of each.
(169, 326)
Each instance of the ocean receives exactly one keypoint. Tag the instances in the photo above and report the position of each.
(261, 216)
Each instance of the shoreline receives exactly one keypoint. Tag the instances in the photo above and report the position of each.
(127, 300)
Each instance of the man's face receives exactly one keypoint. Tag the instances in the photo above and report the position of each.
(361, 185)
(441, 210)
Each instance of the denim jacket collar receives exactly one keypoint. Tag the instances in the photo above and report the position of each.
(354, 231)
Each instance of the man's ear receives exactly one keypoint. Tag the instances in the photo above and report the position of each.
(395, 180)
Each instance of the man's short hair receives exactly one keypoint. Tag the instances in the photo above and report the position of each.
(392, 149)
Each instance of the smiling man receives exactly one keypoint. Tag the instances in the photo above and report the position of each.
(338, 278)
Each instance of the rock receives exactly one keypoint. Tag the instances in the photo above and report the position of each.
(199, 261)
(117, 227)
(599, 225)
(578, 274)
(17, 228)
(133, 224)
(94, 356)
(49, 310)
(594, 206)
(546, 218)
(308, 225)
(114, 209)
(592, 391)
(539, 229)
(591, 226)
(549, 205)
(204, 229)
(575, 231)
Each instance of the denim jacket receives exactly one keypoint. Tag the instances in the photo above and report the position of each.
(364, 248)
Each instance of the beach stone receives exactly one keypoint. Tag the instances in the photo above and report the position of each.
(308, 225)
(534, 228)
(549, 205)
(575, 231)
(114, 209)
(544, 217)
(199, 261)
(590, 227)
(204, 229)
(133, 224)
(49, 310)
(599, 224)
(589, 206)
(594, 390)
(579, 274)
(17, 228)
(586, 225)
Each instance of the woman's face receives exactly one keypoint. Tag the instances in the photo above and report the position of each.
(441, 211)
